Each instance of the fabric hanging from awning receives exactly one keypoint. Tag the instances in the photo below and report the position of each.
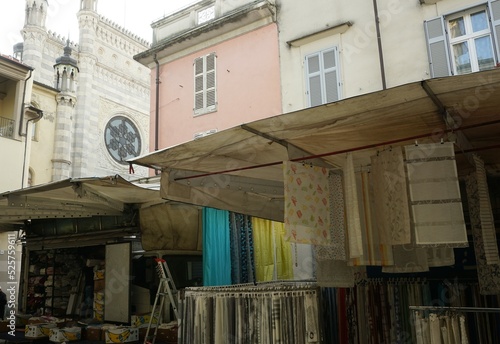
(390, 196)
(335, 249)
(307, 203)
(353, 216)
(487, 223)
(436, 204)
(374, 251)
(488, 274)
(239, 169)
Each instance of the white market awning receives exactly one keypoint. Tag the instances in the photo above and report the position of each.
(163, 225)
(240, 169)
(73, 198)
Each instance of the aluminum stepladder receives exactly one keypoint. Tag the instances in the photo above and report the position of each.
(166, 287)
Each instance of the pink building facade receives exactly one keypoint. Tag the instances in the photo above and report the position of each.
(214, 77)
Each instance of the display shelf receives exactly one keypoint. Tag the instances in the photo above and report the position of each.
(51, 277)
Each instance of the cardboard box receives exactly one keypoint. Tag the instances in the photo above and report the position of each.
(65, 334)
(99, 285)
(98, 274)
(22, 319)
(94, 333)
(99, 296)
(99, 306)
(93, 262)
(38, 330)
(99, 315)
(143, 330)
(142, 320)
(167, 334)
(121, 335)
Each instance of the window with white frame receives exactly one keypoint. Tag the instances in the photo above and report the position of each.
(464, 42)
(470, 40)
(322, 76)
(205, 93)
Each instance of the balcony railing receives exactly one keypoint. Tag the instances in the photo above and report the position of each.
(7, 127)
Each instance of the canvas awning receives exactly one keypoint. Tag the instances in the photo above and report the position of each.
(73, 198)
(163, 225)
(240, 169)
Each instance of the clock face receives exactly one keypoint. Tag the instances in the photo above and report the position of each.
(122, 139)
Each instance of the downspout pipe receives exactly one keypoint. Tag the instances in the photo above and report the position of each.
(157, 105)
(379, 42)
(20, 130)
(35, 119)
(157, 101)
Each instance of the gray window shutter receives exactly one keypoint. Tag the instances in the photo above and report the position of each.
(331, 78)
(314, 79)
(494, 6)
(210, 86)
(322, 77)
(437, 47)
(198, 84)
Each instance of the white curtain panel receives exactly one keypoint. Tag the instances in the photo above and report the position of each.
(391, 197)
(436, 204)
(352, 209)
(335, 248)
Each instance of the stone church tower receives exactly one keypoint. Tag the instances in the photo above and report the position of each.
(95, 96)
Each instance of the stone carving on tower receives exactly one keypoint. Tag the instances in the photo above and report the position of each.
(36, 12)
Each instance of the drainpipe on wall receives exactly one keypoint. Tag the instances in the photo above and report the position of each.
(36, 119)
(157, 105)
(20, 130)
(379, 42)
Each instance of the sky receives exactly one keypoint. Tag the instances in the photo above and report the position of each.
(134, 15)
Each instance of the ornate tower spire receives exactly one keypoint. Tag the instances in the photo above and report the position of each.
(36, 12)
(66, 71)
(88, 5)
(65, 80)
(35, 36)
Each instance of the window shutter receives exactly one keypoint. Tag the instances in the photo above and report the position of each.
(314, 79)
(437, 47)
(331, 77)
(210, 86)
(198, 84)
(322, 77)
(494, 6)
(205, 96)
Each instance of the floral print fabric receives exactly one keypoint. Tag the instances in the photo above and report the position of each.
(307, 203)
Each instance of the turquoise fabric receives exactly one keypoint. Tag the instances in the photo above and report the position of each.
(216, 247)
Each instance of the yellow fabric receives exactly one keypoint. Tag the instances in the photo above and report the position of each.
(269, 245)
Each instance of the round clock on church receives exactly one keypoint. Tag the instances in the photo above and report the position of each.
(122, 139)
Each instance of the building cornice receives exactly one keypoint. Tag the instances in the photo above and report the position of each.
(232, 21)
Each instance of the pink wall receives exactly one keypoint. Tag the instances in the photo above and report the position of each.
(248, 88)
